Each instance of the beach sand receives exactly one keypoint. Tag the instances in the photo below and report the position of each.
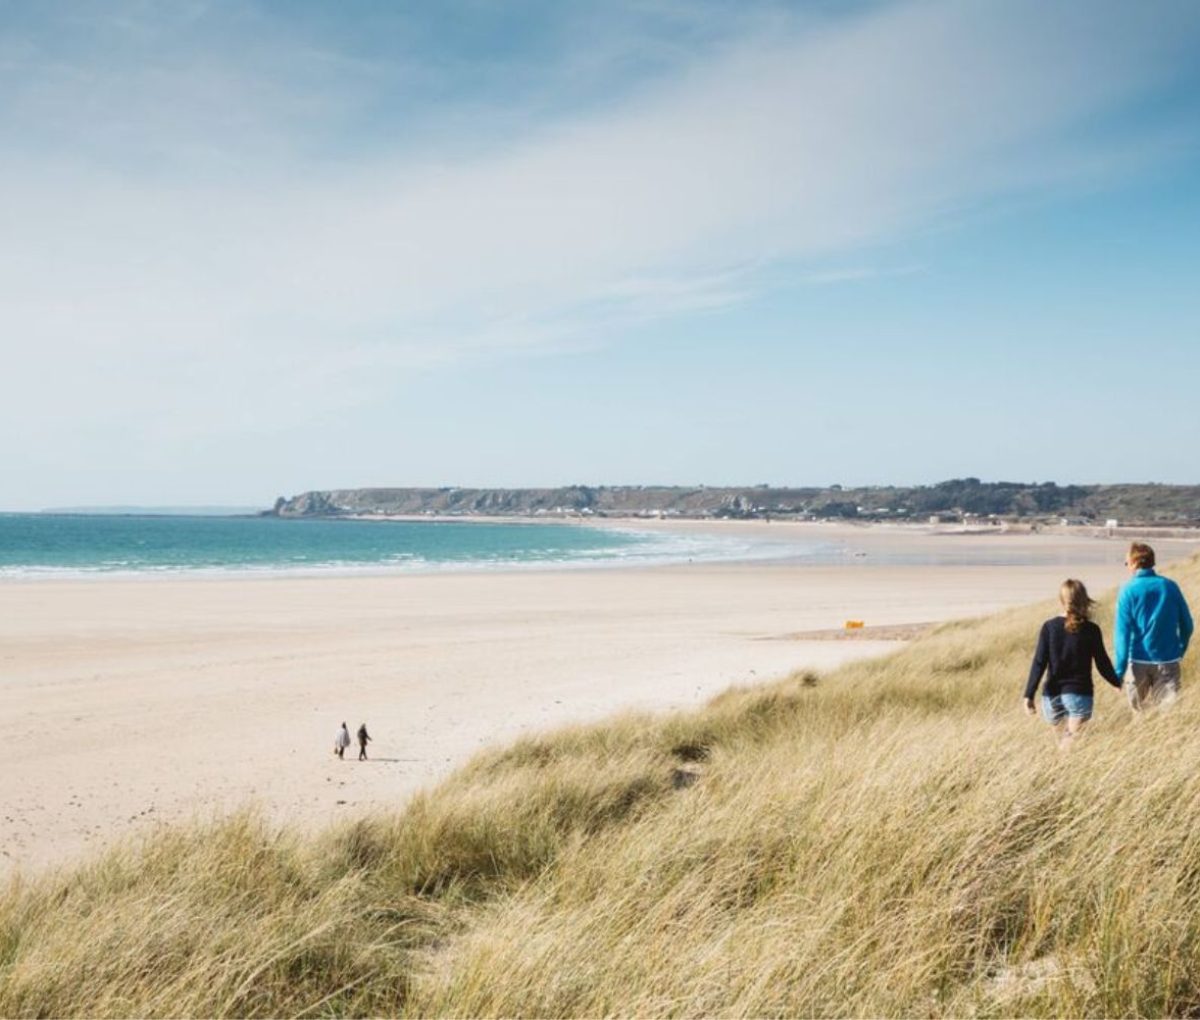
(132, 703)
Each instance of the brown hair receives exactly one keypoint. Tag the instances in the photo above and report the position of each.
(1076, 602)
(1140, 556)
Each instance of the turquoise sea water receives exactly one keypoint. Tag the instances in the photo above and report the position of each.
(52, 543)
(88, 545)
(40, 545)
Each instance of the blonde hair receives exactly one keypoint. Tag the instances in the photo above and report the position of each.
(1076, 602)
(1140, 556)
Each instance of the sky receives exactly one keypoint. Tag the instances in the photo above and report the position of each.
(253, 248)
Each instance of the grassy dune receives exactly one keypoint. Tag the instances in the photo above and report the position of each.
(895, 837)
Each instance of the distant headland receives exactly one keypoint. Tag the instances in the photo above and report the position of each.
(956, 500)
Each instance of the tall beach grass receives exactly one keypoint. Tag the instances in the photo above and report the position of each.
(893, 838)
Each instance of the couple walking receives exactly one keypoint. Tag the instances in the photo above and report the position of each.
(342, 741)
(1152, 629)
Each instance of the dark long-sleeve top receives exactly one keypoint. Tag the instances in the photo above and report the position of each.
(1068, 657)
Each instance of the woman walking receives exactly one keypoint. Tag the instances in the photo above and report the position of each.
(1067, 647)
(341, 741)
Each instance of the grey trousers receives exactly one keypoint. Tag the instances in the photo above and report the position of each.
(1152, 683)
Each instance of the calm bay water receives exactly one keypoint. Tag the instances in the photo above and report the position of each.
(91, 545)
(42, 545)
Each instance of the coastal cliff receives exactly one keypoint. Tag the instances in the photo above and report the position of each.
(957, 499)
(578, 499)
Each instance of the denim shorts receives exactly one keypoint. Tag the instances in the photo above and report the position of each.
(1063, 706)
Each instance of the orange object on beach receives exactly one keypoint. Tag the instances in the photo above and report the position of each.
(854, 624)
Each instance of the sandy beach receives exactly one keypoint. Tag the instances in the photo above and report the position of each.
(131, 703)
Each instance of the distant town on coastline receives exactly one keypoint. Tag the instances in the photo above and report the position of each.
(960, 500)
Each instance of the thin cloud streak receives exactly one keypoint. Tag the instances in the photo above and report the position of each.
(858, 274)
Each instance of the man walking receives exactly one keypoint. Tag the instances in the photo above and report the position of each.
(1153, 628)
(363, 737)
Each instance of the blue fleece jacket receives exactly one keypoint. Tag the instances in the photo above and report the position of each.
(1153, 622)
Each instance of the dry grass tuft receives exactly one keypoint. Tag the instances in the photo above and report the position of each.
(896, 839)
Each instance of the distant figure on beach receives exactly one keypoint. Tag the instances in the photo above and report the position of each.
(363, 738)
(341, 741)
(1067, 646)
(1153, 628)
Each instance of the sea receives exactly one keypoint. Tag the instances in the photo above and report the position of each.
(83, 545)
(68, 545)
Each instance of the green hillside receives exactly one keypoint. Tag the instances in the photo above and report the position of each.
(1168, 505)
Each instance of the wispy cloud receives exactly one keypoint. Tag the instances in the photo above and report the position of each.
(166, 224)
(857, 274)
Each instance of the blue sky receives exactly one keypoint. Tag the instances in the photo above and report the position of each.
(250, 249)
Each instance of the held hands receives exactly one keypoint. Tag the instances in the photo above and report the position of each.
(1029, 709)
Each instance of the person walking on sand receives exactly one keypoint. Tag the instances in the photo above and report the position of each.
(363, 738)
(1152, 632)
(341, 741)
(1067, 647)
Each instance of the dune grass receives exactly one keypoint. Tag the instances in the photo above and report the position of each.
(893, 838)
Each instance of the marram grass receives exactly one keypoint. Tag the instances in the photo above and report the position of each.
(895, 839)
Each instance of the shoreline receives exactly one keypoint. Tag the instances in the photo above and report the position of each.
(770, 541)
(1124, 532)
